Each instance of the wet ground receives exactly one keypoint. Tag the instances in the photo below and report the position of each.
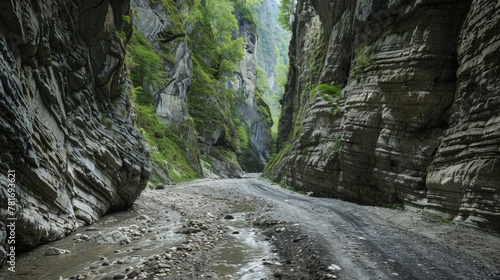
(251, 229)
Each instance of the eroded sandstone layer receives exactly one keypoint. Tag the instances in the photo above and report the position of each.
(66, 121)
(418, 117)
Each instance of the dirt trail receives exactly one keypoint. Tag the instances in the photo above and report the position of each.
(250, 229)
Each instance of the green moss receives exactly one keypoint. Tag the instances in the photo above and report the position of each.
(167, 149)
(398, 205)
(107, 122)
(363, 60)
(242, 137)
(337, 144)
(332, 91)
(127, 19)
(275, 159)
(329, 93)
(121, 35)
(437, 217)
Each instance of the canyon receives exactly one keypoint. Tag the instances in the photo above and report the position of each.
(391, 104)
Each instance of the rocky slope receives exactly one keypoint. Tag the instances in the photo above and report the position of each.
(66, 121)
(417, 119)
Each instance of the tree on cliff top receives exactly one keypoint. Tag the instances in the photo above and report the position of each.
(287, 14)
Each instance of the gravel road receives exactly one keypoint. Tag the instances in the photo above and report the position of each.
(251, 229)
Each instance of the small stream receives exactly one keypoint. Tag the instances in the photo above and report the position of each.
(242, 257)
(94, 260)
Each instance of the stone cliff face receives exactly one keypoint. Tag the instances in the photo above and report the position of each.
(418, 117)
(202, 112)
(248, 107)
(153, 21)
(66, 121)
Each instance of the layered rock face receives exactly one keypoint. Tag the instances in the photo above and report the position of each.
(66, 121)
(248, 107)
(153, 22)
(417, 120)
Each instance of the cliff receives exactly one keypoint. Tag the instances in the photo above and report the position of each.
(250, 106)
(395, 102)
(215, 120)
(66, 121)
(158, 24)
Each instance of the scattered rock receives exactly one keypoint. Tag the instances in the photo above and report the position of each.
(334, 267)
(143, 218)
(52, 251)
(114, 237)
(281, 229)
(229, 217)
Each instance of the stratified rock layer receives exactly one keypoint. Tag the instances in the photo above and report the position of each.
(248, 107)
(418, 118)
(65, 119)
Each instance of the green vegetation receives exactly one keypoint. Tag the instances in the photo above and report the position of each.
(216, 54)
(107, 122)
(247, 9)
(276, 158)
(127, 19)
(212, 35)
(329, 90)
(272, 64)
(169, 149)
(146, 68)
(363, 60)
(337, 145)
(437, 217)
(397, 205)
(242, 137)
(265, 109)
(121, 35)
(329, 93)
(287, 13)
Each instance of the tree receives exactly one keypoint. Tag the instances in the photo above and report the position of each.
(147, 72)
(287, 14)
(213, 31)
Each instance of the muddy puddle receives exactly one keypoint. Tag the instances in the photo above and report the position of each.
(90, 260)
(242, 257)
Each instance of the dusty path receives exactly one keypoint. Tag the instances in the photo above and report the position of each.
(364, 242)
(180, 233)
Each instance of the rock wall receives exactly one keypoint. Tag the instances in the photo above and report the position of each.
(417, 119)
(66, 121)
(152, 20)
(202, 111)
(254, 157)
